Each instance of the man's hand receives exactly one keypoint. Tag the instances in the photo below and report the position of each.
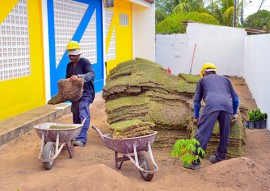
(74, 77)
(195, 121)
(234, 118)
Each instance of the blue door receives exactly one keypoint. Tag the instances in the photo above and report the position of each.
(79, 20)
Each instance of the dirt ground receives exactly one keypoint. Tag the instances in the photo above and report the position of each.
(92, 168)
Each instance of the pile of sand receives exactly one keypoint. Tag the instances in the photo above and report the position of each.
(231, 175)
(238, 173)
(95, 177)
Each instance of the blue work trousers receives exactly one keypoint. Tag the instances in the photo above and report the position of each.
(205, 128)
(81, 110)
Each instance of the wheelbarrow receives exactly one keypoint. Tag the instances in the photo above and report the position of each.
(53, 141)
(137, 150)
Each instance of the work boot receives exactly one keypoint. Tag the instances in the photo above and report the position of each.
(79, 143)
(214, 159)
(194, 165)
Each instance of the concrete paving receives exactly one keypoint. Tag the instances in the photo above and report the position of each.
(18, 125)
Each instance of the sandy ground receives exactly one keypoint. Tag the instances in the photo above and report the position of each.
(92, 167)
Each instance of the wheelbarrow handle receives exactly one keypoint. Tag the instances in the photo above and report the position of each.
(84, 120)
(97, 130)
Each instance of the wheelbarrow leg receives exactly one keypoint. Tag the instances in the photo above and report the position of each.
(119, 160)
(41, 146)
(151, 155)
(70, 149)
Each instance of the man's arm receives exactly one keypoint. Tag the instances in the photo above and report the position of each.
(197, 107)
(88, 76)
(235, 105)
(197, 102)
(89, 72)
(235, 98)
(235, 102)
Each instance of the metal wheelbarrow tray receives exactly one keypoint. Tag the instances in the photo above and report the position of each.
(137, 150)
(54, 140)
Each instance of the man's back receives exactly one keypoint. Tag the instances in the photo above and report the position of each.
(217, 93)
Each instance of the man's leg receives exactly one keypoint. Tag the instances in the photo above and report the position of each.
(205, 128)
(84, 113)
(224, 119)
(75, 112)
(204, 131)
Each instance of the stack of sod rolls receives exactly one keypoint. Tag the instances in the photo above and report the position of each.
(143, 90)
(130, 128)
(142, 97)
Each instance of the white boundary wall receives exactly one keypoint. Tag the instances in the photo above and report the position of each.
(230, 49)
(222, 46)
(143, 30)
(256, 70)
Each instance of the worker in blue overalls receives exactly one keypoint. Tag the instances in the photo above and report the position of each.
(81, 68)
(221, 103)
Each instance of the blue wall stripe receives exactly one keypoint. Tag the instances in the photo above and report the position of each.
(59, 73)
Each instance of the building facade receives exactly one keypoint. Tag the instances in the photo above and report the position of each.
(34, 35)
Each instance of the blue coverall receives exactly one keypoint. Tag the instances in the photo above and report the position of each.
(80, 109)
(221, 101)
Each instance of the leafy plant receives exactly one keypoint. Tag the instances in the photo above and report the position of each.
(265, 116)
(159, 16)
(257, 115)
(259, 20)
(173, 23)
(185, 150)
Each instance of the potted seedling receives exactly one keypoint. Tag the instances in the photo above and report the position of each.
(263, 120)
(251, 116)
(257, 119)
(185, 149)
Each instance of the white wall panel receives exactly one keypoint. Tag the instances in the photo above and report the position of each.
(14, 44)
(223, 46)
(67, 17)
(143, 20)
(257, 67)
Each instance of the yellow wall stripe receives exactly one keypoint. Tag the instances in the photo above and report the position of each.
(110, 32)
(6, 7)
(25, 93)
(124, 49)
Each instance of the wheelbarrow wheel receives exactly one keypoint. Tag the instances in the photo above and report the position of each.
(147, 164)
(48, 152)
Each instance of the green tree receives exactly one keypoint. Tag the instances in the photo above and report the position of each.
(165, 6)
(159, 16)
(173, 23)
(189, 6)
(259, 20)
(185, 149)
(222, 10)
(182, 7)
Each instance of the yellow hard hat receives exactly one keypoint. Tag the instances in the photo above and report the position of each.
(73, 45)
(207, 66)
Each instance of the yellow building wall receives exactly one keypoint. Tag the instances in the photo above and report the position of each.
(19, 95)
(124, 47)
